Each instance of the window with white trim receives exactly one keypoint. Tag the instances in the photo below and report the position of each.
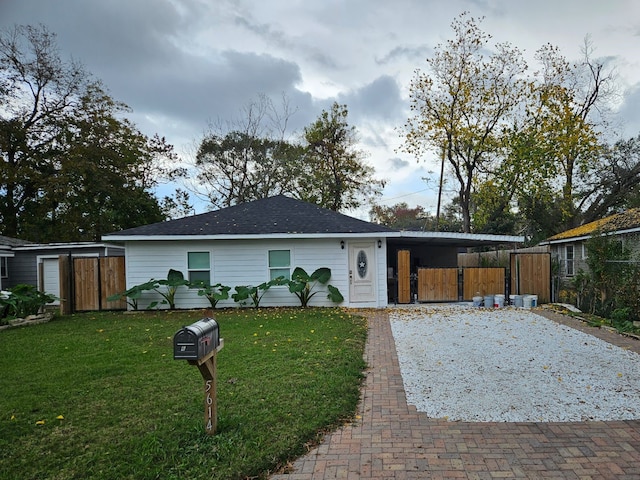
(569, 260)
(279, 264)
(199, 267)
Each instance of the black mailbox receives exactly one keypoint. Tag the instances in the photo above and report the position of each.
(197, 340)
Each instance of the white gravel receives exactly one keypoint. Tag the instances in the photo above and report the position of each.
(510, 365)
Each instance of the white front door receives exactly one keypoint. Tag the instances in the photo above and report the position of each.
(362, 272)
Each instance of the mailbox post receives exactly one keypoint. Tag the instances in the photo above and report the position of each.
(199, 343)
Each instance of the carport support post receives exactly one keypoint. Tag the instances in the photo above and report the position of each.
(207, 367)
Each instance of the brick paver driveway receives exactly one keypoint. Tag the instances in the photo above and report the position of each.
(391, 440)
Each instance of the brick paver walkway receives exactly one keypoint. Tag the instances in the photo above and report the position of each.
(393, 441)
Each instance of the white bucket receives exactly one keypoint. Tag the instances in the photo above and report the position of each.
(517, 301)
(477, 301)
(488, 301)
(527, 301)
(534, 301)
(498, 301)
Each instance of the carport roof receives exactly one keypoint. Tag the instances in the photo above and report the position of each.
(453, 239)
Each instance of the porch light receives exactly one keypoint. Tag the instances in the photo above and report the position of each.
(342, 244)
(379, 243)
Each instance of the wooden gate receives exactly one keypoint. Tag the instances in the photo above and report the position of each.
(89, 281)
(437, 284)
(482, 281)
(531, 275)
(404, 276)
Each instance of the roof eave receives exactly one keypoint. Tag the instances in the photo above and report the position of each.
(462, 236)
(590, 235)
(275, 236)
(58, 246)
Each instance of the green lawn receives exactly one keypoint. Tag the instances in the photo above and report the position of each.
(99, 395)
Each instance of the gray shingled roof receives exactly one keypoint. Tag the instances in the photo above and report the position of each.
(273, 215)
(12, 242)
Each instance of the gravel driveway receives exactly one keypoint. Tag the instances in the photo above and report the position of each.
(510, 365)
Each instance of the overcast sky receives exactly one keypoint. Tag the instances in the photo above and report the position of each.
(180, 64)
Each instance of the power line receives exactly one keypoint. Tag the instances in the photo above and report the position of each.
(405, 195)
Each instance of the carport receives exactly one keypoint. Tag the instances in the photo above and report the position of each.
(423, 266)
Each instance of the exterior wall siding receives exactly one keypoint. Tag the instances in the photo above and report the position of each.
(559, 253)
(243, 262)
(22, 269)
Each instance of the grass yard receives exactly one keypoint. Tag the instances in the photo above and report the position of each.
(99, 395)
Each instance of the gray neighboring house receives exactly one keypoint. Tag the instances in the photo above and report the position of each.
(37, 263)
(569, 249)
(250, 243)
(7, 259)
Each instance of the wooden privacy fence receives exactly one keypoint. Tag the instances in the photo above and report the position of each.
(437, 284)
(87, 282)
(482, 281)
(529, 273)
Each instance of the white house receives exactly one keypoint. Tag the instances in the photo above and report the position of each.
(251, 243)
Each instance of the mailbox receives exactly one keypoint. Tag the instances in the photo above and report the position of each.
(197, 340)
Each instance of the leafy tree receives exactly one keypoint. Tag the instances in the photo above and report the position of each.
(95, 183)
(610, 286)
(335, 176)
(399, 216)
(463, 105)
(540, 214)
(37, 91)
(239, 167)
(248, 158)
(70, 167)
(493, 213)
(569, 108)
(612, 182)
(253, 160)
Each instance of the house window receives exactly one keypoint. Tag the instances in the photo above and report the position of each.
(199, 267)
(569, 259)
(4, 267)
(279, 264)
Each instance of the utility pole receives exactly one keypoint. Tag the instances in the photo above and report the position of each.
(440, 191)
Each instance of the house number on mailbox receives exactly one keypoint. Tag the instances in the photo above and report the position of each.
(362, 264)
(209, 412)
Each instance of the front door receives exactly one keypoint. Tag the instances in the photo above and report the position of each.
(362, 272)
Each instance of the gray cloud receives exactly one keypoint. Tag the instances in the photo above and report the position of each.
(398, 163)
(418, 53)
(630, 112)
(378, 100)
(181, 63)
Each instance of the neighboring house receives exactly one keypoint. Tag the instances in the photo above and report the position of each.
(7, 255)
(37, 263)
(251, 243)
(569, 247)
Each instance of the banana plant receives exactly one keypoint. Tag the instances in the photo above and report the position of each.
(174, 280)
(213, 293)
(255, 293)
(133, 294)
(303, 285)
